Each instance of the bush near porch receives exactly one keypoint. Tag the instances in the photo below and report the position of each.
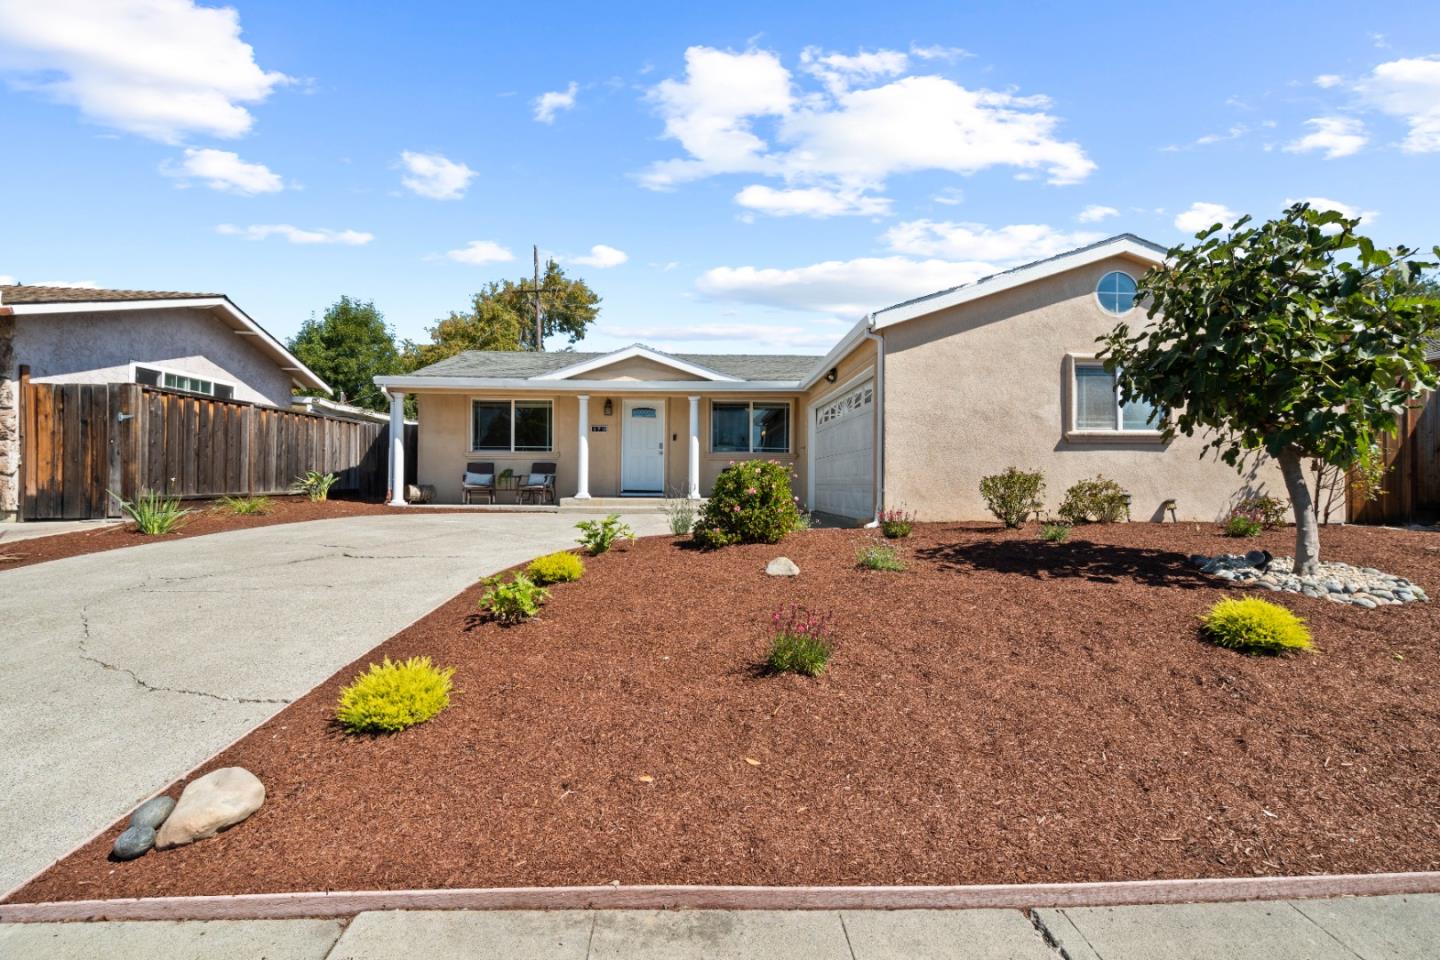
(752, 502)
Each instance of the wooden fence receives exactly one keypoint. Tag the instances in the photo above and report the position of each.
(1412, 478)
(81, 441)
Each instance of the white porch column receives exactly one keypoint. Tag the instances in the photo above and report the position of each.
(397, 449)
(693, 472)
(582, 460)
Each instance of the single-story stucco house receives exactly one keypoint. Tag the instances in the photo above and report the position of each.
(199, 343)
(910, 409)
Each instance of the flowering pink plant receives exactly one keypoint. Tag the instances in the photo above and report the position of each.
(800, 642)
(896, 522)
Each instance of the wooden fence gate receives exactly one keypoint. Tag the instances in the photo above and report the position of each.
(1412, 477)
(81, 442)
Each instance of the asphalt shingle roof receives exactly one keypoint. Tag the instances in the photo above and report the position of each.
(31, 293)
(510, 364)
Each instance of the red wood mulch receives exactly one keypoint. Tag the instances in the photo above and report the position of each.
(207, 518)
(1004, 711)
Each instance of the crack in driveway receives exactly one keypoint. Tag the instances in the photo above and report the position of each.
(148, 687)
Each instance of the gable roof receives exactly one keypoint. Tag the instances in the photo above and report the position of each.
(34, 300)
(642, 352)
(1124, 244)
(522, 365)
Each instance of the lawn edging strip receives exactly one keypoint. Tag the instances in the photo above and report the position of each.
(289, 906)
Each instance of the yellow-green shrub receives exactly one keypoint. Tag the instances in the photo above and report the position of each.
(1253, 625)
(391, 696)
(561, 567)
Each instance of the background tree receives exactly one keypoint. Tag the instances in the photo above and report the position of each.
(1296, 337)
(502, 317)
(348, 346)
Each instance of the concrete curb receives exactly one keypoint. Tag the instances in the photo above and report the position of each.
(281, 906)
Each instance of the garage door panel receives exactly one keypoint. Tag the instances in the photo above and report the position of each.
(844, 445)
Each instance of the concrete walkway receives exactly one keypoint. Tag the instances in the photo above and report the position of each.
(126, 669)
(15, 532)
(1378, 928)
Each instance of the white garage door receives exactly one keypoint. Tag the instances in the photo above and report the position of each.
(844, 445)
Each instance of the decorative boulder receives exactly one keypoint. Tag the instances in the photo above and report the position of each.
(782, 567)
(152, 812)
(208, 805)
(134, 842)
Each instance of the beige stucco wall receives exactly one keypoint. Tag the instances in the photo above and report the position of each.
(635, 368)
(856, 364)
(444, 443)
(979, 387)
(99, 348)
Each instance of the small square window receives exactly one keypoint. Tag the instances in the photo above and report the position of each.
(1096, 405)
(760, 427)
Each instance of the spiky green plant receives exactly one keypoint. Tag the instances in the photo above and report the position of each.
(153, 513)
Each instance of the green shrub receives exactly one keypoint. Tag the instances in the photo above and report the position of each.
(751, 502)
(315, 485)
(800, 643)
(513, 601)
(597, 536)
(680, 514)
(1240, 525)
(245, 506)
(1095, 501)
(561, 567)
(1253, 625)
(897, 523)
(1052, 532)
(1267, 512)
(391, 696)
(153, 513)
(878, 556)
(1012, 496)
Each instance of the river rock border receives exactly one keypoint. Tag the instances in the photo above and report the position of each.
(1340, 582)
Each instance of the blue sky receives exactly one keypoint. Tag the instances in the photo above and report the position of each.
(729, 177)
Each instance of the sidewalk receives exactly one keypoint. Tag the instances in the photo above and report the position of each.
(1376, 928)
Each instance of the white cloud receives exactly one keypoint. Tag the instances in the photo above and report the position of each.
(950, 197)
(6, 280)
(224, 171)
(811, 202)
(765, 335)
(844, 287)
(938, 52)
(478, 252)
(602, 256)
(1409, 89)
(1202, 215)
(163, 69)
(433, 175)
(1336, 136)
(1015, 243)
(847, 135)
(1095, 212)
(1327, 80)
(320, 235)
(551, 103)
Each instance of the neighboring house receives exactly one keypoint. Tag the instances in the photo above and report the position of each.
(910, 409)
(325, 407)
(198, 343)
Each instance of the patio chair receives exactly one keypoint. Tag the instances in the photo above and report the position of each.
(540, 485)
(479, 478)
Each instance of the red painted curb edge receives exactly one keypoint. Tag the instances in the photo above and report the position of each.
(279, 906)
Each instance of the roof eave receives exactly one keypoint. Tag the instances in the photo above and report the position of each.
(627, 353)
(537, 385)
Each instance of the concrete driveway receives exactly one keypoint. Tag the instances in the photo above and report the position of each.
(126, 669)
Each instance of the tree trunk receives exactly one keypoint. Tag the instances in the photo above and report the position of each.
(1307, 529)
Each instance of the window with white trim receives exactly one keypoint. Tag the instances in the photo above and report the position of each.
(749, 427)
(184, 383)
(512, 426)
(1116, 292)
(1096, 405)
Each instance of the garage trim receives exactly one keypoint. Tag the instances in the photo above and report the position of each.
(810, 409)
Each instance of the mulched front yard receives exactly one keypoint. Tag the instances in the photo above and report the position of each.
(206, 518)
(1004, 711)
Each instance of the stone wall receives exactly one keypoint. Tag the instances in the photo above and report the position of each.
(9, 422)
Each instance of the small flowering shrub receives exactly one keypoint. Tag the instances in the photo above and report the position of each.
(1265, 513)
(561, 567)
(597, 536)
(1253, 625)
(896, 523)
(750, 503)
(1095, 501)
(515, 601)
(800, 642)
(878, 556)
(1012, 496)
(1241, 525)
(391, 696)
(1052, 532)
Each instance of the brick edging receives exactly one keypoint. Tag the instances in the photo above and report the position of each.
(278, 906)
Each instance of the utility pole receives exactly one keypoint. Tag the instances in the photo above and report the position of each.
(539, 322)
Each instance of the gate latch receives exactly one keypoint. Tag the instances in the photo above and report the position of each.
(122, 417)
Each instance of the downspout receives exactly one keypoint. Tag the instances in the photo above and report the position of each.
(879, 340)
